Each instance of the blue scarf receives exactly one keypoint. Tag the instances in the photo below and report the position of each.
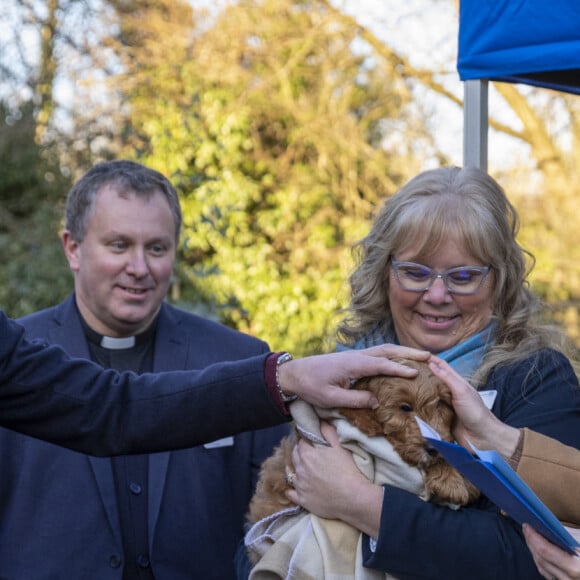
(464, 357)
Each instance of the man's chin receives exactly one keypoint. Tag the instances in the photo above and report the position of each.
(131, 325)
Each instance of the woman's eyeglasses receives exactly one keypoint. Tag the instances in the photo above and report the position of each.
(418, 278)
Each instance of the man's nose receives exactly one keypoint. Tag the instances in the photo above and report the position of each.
(138, 264)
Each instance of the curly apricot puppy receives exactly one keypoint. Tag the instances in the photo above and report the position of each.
(400, 400)
(270, 496)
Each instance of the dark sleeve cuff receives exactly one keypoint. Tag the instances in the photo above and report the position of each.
(270, 379)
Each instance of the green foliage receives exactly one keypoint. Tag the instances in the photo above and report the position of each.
(277, 149)
(33, 273)
(284, 124)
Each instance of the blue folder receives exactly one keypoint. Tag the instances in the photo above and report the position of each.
(493, 476)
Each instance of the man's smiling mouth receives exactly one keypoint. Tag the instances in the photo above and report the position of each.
(137, 291)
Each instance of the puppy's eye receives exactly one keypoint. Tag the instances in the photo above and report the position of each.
(406, 408)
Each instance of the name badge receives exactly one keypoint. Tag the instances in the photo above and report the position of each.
(224, 442)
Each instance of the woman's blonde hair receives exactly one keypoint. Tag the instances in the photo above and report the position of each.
(467, 205)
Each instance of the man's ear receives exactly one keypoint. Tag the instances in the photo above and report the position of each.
(71, 250)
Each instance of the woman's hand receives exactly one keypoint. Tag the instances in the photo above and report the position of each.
(552, 562)
(475, 422)
(329, 484)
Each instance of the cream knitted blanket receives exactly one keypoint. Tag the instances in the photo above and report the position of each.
(295, 544)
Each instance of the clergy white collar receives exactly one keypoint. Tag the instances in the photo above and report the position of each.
(117, 343)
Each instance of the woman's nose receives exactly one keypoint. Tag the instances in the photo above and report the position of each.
(437, 292)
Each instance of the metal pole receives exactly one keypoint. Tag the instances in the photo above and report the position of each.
(475, 124)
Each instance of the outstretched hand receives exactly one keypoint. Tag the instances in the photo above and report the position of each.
(325, 380)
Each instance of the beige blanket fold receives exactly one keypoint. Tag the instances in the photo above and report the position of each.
(295, 544)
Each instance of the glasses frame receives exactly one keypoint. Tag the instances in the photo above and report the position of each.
(434, 274)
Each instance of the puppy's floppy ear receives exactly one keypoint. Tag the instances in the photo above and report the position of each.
(363, 419)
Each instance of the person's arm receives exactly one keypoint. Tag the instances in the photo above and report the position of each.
(552, 470)
(76, 404)
(553, 562)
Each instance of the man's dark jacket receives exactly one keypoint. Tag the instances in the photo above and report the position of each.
(58, 509)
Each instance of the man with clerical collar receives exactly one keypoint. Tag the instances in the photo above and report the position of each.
(165, 516)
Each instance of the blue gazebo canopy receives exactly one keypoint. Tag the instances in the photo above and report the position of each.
(536, 42)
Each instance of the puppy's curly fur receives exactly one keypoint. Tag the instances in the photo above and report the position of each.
(400, 400)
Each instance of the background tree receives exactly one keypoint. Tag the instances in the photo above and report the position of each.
(43, 142)
(281, 150)
(284, 124)
(33, 272)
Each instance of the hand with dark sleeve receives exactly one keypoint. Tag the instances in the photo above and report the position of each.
(76, 404)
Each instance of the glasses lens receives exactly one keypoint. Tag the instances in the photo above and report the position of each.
(465, 280)
(413, 276)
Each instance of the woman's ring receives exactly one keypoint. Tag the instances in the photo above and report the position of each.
(290, 477)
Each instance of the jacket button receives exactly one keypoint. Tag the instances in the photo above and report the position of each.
(135, 488)
(142, 561)
(114, 561)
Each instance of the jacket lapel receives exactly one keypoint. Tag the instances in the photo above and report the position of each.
(170, 354)
(67, 331)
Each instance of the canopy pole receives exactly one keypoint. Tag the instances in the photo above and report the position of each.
(475, 123)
